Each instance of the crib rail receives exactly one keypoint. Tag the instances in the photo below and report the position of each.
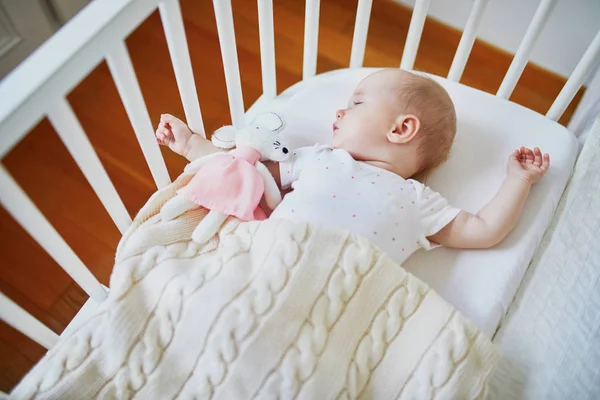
(415, 30)
(18, 318)
(576, 80)
(311, 38)
(38, 89)
(224, 15)
(361, 28)
(170, 14)
(522, 56)
(266, 32)
(466, 41)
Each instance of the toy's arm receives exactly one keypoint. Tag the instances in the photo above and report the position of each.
(195, 165)
(272, 194)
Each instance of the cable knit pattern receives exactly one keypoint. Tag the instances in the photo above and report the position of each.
(145, 353)
(63, 360)
(440, 362)
(265, 309)
(300, 359)
(384, 327)
(240, 318)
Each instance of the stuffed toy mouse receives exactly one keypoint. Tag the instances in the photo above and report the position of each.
(233, 183)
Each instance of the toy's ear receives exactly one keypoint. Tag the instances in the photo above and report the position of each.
(224, 137)
(270, 120)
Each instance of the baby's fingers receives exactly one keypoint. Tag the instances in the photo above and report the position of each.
(537, 157)
(162, 134)
(159, 132)
(546, 162)
(529, 155)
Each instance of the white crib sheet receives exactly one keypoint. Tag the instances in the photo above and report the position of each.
(482, 283)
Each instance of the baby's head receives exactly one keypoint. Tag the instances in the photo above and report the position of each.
(398, 120)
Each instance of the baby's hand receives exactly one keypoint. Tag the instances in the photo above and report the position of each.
(528, 165)
(174, 133)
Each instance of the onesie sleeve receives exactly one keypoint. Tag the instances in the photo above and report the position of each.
(434, 213)
(290, 169)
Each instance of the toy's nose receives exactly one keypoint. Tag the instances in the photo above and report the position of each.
(285, 150)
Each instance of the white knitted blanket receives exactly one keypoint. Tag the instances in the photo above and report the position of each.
(270, 309)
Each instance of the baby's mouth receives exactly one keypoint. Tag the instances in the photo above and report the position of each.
(335, 127)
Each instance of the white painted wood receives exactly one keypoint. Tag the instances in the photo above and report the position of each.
(522, 56)
(267, 47)
(25, 323)
(224, 16)
(22, 209)
(170, 14)
(417, 21)
(311, 38)
(590, 101)
(127, 84)
(361, 28)
(590, 59)
(67, 126)
(62, 62)
(466, 41)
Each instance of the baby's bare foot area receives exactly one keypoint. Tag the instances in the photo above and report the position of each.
(173, 132)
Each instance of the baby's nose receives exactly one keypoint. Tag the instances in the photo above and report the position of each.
(339, 114)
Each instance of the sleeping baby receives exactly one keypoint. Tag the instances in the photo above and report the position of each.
(398, 127)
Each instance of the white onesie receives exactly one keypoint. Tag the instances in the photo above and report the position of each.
(333, 189)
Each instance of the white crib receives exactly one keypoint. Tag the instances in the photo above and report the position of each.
(38, 89)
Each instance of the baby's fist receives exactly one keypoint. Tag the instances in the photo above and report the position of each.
(527, 164)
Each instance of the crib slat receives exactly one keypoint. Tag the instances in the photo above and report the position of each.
(224, 16)
(267, 47)
(22, 209)
(417, 21)
(311, 38)
(361, 28)
(466, 41)
(522, 56)
(127, 84)
(70, 131)
(590, 59)
(170, 14)
(25, 323)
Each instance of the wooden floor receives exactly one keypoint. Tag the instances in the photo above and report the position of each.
(45, 170)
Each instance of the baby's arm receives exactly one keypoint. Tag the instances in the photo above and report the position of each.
(175, 134)
(498, 218)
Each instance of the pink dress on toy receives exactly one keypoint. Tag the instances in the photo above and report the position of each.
(230, 184)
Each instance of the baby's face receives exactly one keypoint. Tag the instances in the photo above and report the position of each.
(361, 128)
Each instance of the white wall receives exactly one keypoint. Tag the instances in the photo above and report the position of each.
(569, 30)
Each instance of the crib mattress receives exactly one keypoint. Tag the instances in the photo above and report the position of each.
(480, 283)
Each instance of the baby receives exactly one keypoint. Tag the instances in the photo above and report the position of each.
(397, 126)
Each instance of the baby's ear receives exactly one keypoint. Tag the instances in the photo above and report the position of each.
(405, 129)
(224, 137)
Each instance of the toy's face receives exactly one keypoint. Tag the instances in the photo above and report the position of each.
(274, 148)
(268, 143)
(263, 134)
